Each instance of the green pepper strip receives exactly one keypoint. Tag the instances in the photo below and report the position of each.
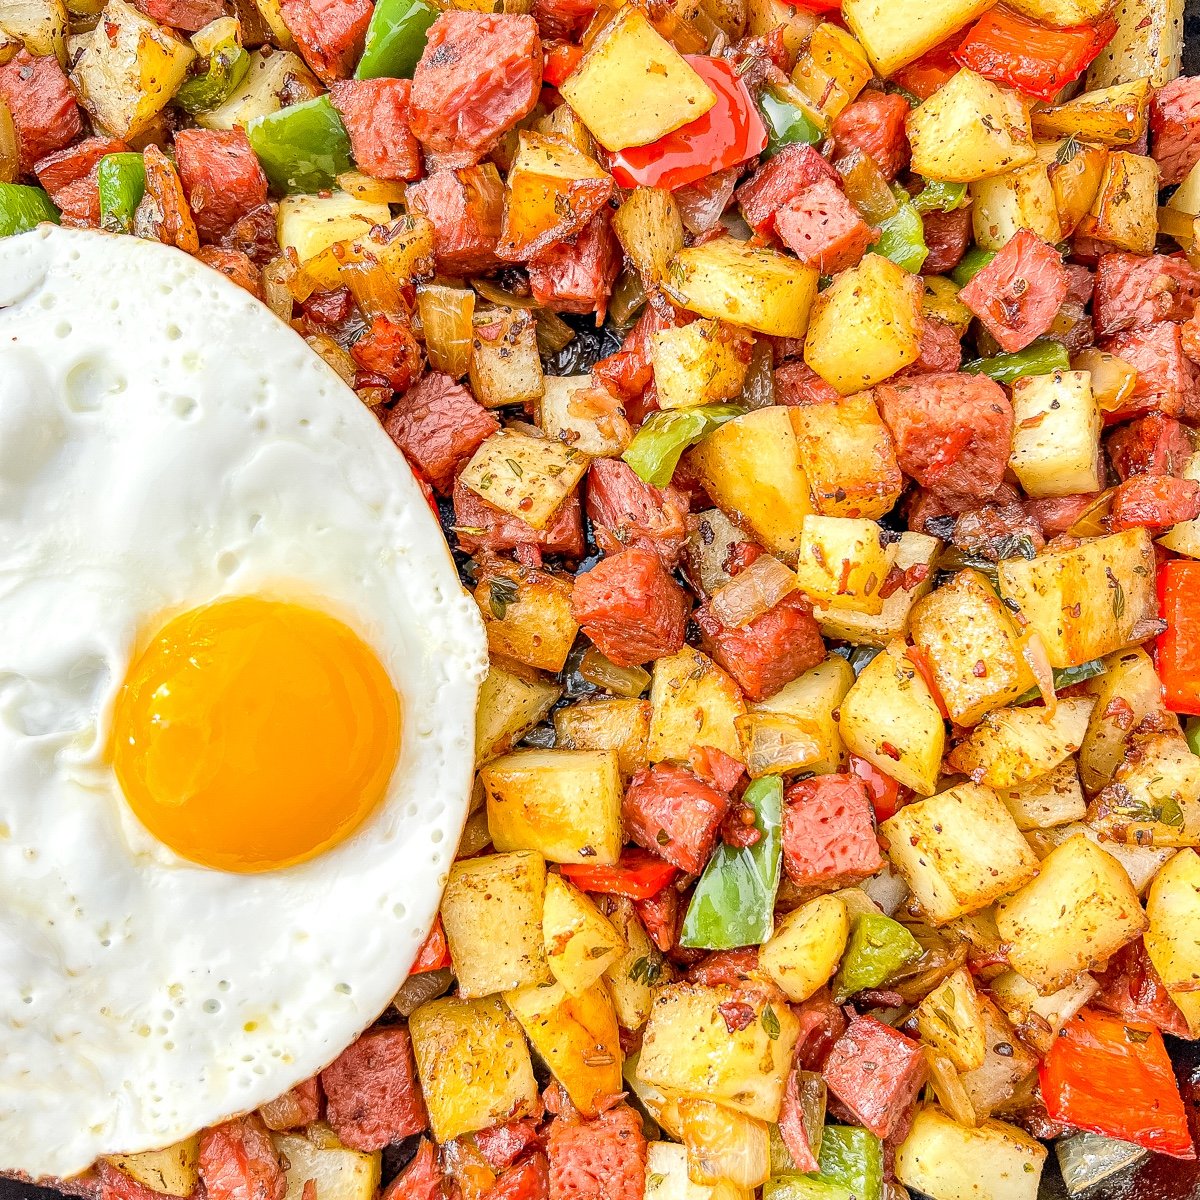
(971, 264)
(303, 148)
(939, 196)
(1065, 677)
(877, 949)
(902, 235)
(1191, 731)
(1039, 358)
(227, 67)
(23, 208)
(395, 39)
(734, 902)
(805, 1187)
(121, 180)
(786, 125)
(657, 446)
(852, 1157)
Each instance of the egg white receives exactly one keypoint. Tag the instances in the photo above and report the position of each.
(165, 441)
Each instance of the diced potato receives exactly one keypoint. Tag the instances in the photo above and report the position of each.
(688, 1048)
(1131, 679)
(492, 913)
(622, 725)
(710, 540)
(566, 804)
(1125, 210)
(1173, 938)
(632, 978)
(723, 1145)
(581, 943)
(310, 224)
(756, 288)
(402, 250)
(797, 728)
(997, 1161)
(527, 615)
(1078, 911)
(505, 366)
(913, 550)
(1089, 600)
(171, 1171)
(576, 1036)
(865, 326)
(751, 466)
(526, 477)
(958, 851)
(1148, 44)
(694, 703)
(890, 718)
(337, 1172)
(1012, 746)
(1052, 799)
(511, 702)
(1112, 116)
(957, 628)
(667, 1175)
(1038, 1018)
(941, 302)
(1007, 1063)
(376, 191)
(1018, 199)
(41, 25)
(650, 230)
(1141, 863)
(1064, 12)
(1056, 434)
(843, 562)
(633, 86)
(701, 363)
(951, 1020)
(894, 32)
(270, 12)
(474, 1065)
(832, 69)
(127, 69)
(579, 414)
(806, 947)
(1184, 537)
(1075, 170)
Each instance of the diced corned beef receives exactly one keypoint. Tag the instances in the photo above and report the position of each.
(947, 236)
(1150, 445)
(42, 104)
(1018, 293)
(114, 1184)
(480, 74)
(770, 651)
(577, 275)
(527, 1180)
(294, 1108)
(235, 266)
(874, 124)
(714, 766)
(502, 1145)
(480, 526)
(941, 351)
(602, 1159)
(727, 968)
(69, 176)
(631, 607)
(793, 1127)
(1166, 377)
(625, 511)
(1175, 128)
(1134, 290)
(991, 530)
(376, 115)
(389, 349)
(628, 372)
(797, 383)
(329, 33)
(823, 229)
(822, 1023)
(188, 15)
(221, 177)
(421, 1180)
(439, 425)
(371, 1093)
(1154, 501)
(672, 813)
(1189, 336)
(828, 832)
(1056, 514)
(779, 180)
(238, 1162)
(564, 19)
(876, 1072)
(255, 235)
(465, 209)
(953, 432)
(1081, 283)
(660, 915)
(1132, 988)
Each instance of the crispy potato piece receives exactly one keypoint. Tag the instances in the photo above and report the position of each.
(1038, 1017)
(338, 1172)
(1022, 198)
(806, 947)
(632, 978)
(694, 703)
(1057, 427)
(894, 32)
(843, 562)
(171, 1171)
(527, 615)
(512, 701)
(1173, 938)
(1111, 116)
(526, 477)
(616, 724)
(505, 366)
(579, 414)
(951, 1020)
(1131, 680)
(650, 230)
(1125, 210)
(701, 363)
(1148, 44)
(1052, 799)
(310, 224)
(581, 943)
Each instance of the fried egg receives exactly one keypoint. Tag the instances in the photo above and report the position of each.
(238, 677)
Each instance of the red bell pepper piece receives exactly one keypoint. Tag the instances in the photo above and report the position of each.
(1114, 1077)
(558, 61)
(1178, 648)
(434, 954)
(638, 875)
(929, 72)
(918, 660)
(1033, 58)
(727, 135)
(882, 790)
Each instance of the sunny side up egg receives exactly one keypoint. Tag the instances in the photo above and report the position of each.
(238, 679)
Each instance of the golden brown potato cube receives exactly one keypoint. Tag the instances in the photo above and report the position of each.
(894, 32)
(1056, 431)
(309, 225)
(951, 1020)
(622, 725)
(1130, 678)
(688, 1049)
(632, 978)
(1075, 169)
(505, 365)
(1019, 199)
(958, 851)
(474, 1065)
(566, 804)
(806, 947)
(512, 700)
(650, 230)
(701, 363)
(843, 562)
(171, 1171)
(1111, 116)
(941, 302)
(1148, 44)
(527, 615)
(40, 25)
(581, 943)
(1007, 1062)
(694, 703)
(1052, 799)
(968, 639)
(526, 477)
(1125, 210)
(583, 416)
(403, 250)
(1078, 911)
(842, 56)
(337, 1172)
(1173, 910)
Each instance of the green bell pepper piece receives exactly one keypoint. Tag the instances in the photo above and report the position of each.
(23, 208)
(734, 902)
(303, 148)
(1038, 358)
(805, 1187)
(395, 39)
(121, 179)
(1191, 731)
(226, 68)
(786, 125)
(902, 235)
(971, 264)
(1065, 677)
(877, 949)
(939, 196)
(657, 446)
(852, 1157)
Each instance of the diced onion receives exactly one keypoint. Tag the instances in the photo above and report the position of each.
(553, 333)
(1112, 377)
(334, 355)
(948, 1087)
(627, 300)
(370, 189)
(1087, 1158)
(752, 592)
(724, 1145)
(1091, 522)
(475, 836)
(630, 682)
(702, 203)
(276, 286)
(374, 289)
(420, 989)
(866, 186)
(758, 388)
(498, 295)
(1033, 651)
(446, 314)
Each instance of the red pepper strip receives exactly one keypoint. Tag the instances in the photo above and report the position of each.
(883, 790)
(929, 72)
(1033, 58)
(727, 135)
(559, 60)
(919, 661)
(1114, 1077)
(1178, 648)
(639, 875)
(434, 954)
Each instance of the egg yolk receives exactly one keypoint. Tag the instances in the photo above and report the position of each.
(254, 734)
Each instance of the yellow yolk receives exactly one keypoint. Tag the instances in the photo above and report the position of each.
(254, 734)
